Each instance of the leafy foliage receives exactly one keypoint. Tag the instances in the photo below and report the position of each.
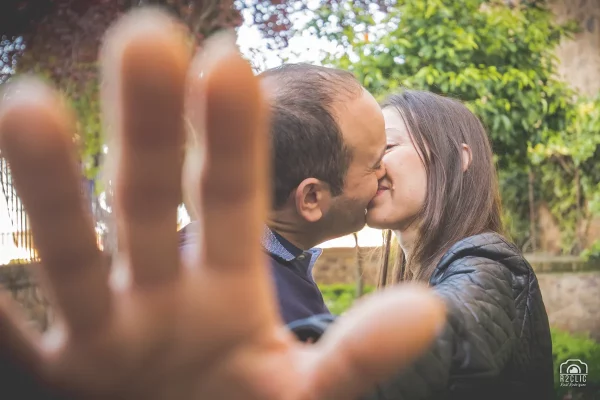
(85, 101)
(499, 58)
(501, 62)
(566, 346)
(592, 253)
(568, 162)
(339, 297)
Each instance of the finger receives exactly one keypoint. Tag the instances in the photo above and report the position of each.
(233, 187)
(144, 64)
(375, 340)
(36, 139)
(20, 360)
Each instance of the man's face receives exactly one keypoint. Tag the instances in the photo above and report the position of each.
(363, 128)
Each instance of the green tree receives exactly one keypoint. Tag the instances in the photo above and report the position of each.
(500, 60)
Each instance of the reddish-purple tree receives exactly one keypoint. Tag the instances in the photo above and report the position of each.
(60, 38)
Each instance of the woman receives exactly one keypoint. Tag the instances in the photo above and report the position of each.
(440, 200)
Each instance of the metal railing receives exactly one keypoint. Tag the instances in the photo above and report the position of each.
(16, 242)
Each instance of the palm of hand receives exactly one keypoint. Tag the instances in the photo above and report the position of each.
(206, 327)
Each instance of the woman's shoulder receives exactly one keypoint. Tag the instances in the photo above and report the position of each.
(489, 249)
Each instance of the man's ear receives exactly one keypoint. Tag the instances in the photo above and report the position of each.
(467, 157)
(312, 199)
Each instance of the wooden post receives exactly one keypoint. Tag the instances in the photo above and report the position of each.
(532, 224)
(579, 227)
(360, 283)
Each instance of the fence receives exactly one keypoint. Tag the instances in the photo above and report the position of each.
(16, 243)
(18, 257)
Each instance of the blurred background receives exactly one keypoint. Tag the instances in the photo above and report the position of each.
(529, 69)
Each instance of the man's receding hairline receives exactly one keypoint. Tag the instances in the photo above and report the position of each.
(275, 87)
(275, 80)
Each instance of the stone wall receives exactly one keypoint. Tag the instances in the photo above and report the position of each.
(338, 265)
(580, 57)
(19, 282)
(571, 296)
(572, 300)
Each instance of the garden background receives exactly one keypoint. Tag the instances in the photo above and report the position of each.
(530, 69)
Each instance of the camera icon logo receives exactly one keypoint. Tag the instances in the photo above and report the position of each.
(573, 373)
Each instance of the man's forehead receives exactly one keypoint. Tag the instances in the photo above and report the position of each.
(362, 124)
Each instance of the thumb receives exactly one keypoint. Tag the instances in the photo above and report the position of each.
(380, 335)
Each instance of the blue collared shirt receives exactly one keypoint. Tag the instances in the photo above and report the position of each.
(297, 293)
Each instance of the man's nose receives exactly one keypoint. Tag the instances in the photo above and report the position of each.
(380, 172)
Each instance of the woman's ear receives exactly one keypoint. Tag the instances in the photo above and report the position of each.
(467, 157)
(312, 199)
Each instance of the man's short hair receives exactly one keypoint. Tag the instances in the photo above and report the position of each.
(306, 138)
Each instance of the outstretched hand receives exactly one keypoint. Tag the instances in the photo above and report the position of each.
(172, 329)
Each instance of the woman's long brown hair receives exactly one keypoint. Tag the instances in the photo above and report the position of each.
(458, 203)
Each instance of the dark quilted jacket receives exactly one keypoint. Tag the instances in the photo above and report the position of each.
(496, 344)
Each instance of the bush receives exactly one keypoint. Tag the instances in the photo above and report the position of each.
(565, 346)
(592, 253)
(339, 297)
(19, 261)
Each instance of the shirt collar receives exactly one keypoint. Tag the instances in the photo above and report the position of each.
(269, 241)
(272, 245)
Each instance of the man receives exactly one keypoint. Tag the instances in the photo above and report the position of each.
(327, 143)
(202, 328)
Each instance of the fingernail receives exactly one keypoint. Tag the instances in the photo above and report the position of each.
(217, 47)
(26, 88)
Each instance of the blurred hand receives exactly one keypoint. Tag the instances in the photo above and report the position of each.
(208, 329)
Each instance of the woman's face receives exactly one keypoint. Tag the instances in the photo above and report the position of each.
(402, 190)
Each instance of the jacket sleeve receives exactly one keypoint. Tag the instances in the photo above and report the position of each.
(477, 341)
